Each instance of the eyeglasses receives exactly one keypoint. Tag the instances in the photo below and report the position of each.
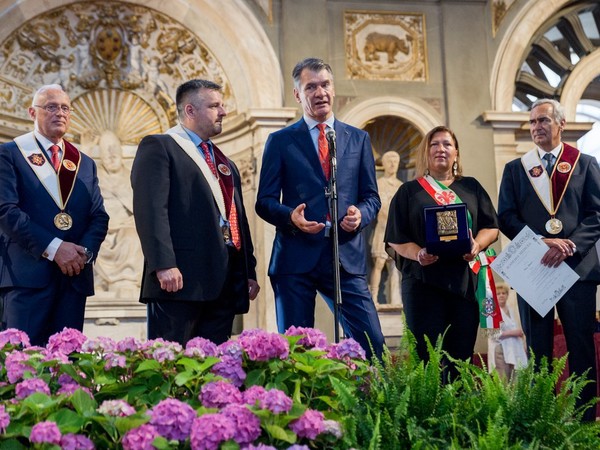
(52, 109)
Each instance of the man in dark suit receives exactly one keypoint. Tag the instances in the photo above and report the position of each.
(291, 196)
(559, 200)
(52, 222)
(199, 266)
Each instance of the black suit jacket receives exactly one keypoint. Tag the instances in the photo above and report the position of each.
(177, 220)
(579, 212)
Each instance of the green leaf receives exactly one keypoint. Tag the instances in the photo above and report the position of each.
(279, 433)
(67, 420)
(149, 364)
(83, 403)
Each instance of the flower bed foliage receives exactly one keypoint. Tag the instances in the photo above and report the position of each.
(270, 391)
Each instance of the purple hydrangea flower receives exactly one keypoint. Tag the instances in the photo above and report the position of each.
(4, 419)
(253, 395)
(313, 338)
(116, 408)
(101, 344)
(162, 354)
(15, 367)
(114, 360)
(261, 345)
(14, 337)
(70, 388)
(76, 442)
(172, 419)
(140, 438)
(67, 341)
(347, 349)
(231, 369)
(276, 401)
(298, 447)
(246, 423)
(210, 430)
(231, 348)
(309, 425)
(55, 356)
(128, 344)
(45, 432)
(200, 347)
(27, 387)
(218, 394)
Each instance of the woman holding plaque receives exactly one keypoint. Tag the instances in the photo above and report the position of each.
(438, 289)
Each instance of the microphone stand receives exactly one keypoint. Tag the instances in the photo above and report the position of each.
(331, 193)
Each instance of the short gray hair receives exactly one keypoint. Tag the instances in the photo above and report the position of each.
(558, 113)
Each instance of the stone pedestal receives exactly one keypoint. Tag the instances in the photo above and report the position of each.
(392, 325)
(115, 318)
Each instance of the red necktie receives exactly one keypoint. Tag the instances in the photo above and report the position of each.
(324, 150)
(55, 157)
(233, 218)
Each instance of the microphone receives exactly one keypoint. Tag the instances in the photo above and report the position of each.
(331, 142)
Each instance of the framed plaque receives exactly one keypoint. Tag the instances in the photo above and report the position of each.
(447, 230)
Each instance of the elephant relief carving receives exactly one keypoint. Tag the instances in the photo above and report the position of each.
(387, 43)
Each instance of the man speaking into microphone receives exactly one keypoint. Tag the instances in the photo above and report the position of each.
(295, 174)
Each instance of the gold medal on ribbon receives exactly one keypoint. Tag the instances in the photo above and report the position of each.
(554, 226)
(63, 221)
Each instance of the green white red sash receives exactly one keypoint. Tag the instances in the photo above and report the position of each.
(551, 190)
(59, 185)
(442, 194)
(490, 316)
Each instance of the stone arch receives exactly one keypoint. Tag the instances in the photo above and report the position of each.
(584, 73)
(422, 115)
(512, 47)
(255, 85)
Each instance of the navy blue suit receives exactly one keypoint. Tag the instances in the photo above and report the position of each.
(37, 297)
(579, 212)
(301, 263)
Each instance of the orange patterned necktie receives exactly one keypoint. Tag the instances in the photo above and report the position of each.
(324, 150)
(54, 157)
(233, 217)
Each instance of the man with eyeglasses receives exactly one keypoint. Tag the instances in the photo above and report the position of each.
(52, 222)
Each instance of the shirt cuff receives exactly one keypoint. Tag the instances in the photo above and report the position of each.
(52, 248)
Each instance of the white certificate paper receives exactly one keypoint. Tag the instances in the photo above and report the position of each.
(519, 265)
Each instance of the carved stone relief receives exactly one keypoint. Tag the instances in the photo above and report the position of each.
(499, 10)
(121, 64)
(385, 46)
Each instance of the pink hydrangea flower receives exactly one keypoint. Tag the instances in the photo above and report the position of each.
(67, 341)
(140, 438)
(172, 418)
(253, 395)
(231, 369)
(76, 442)
(209, 431)
(261, 345)
(258, 447)
(45, 432)
(129, 344)
(14, 337)
(27, 387)
(276, 401)
(101, 344)
(114, 360)
(313, 338)
(298, 447)
(4, 419)
(15, 367)
(346, 349)
(309, 425)
(116, 408)
(246, 423)
(200, 347)
(218, 394)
